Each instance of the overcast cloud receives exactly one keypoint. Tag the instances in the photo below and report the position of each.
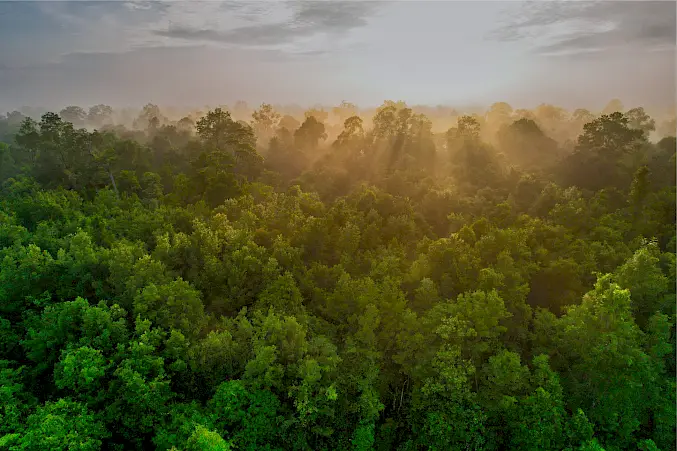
(437, 52)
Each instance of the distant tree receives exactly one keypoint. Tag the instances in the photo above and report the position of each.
(219, 130)
(319, 114)
(499, 114)
(74, 114)
(344, 111)
(611, 134)
(472, 160)
(309, 134)
(186, 124)
(264, 122)
(582, 115)
(525, 144)
(289, 123)
(149, 117)
(228, 152)
(468, 128)
(639, 120)
(352, 134)
(99, 115)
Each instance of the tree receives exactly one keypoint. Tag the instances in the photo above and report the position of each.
(582, 116)
(250, 417)
(99, 115)
(352, 134)
(609, 133)
(344, 111)
(264, 122)
(601, 152)
(218, 129)
(552, 120)
(80, 370)
(186, 124)
(149, 117)
(309, 134)
(472, 160)
(15, 401)
(289, 123)
(62, 425)
(524, 143)
(468, 128)
(173, 306)
(226, 144)
(639, 120)
(205, 440)
(283, 156)
(600, 337)
(499, 114)
(74, 114)
(648, 286)
(28, 138)
(319, 114)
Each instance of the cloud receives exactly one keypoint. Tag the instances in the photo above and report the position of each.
(571, 28)
(138, 5)
(307, 19)
(338, 15)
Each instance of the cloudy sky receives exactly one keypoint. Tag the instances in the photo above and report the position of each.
(182, 53)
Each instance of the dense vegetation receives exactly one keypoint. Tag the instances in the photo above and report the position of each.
(223, 284)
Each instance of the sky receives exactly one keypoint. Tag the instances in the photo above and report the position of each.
(191, 53)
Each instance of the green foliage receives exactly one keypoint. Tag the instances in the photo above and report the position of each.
(205, 440)
(175, 305)
(61, 425)
(395, 288)
(80, 370)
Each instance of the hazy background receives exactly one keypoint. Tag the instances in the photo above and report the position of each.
(573, 54)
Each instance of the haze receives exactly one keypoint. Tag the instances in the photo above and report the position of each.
(571, 54)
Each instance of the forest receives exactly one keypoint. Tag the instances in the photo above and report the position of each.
(398, 278)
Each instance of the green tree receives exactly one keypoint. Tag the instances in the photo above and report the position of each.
(175, 305)
(648, 286)
(604, 369)
(62, 425)
(80, 369)
(205, 440)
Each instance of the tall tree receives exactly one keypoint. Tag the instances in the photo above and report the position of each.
(264, 122)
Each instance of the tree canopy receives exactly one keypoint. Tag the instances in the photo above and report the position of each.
(274, 280)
